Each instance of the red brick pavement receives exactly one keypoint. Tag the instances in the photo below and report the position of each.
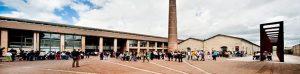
(114, 66)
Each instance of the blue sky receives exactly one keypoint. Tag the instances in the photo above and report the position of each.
(66, 13)
(5, 9)
(196, 18)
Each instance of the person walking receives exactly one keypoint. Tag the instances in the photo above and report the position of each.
(76, 56)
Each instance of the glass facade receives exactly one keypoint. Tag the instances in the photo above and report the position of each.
(143, 43)
(166, 45)
(108, 44)
(49, 42)
(159, 44)
(151, 44)
(91, 42)
(20, 39)
(72, 42)
(133, 43)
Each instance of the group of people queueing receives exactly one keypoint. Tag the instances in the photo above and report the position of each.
(159, 55)
(144, 55)
(21, 55)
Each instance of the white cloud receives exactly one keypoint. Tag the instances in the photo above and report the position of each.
(42, 10)
(196, 18)
(136, 16)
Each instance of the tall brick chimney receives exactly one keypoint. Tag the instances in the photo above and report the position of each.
(172, 33)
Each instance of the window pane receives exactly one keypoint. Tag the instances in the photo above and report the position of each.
(143, 43)
(133, 43)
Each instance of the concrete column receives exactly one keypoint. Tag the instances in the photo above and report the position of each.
(163, 46)
(83, 43)
(36, 41)
(148, 46)
(139, 46)
(155, 47)
(101, 44)
(127, 45)
(62, 42)
(115, 45)
(172, 31)
(4, 40)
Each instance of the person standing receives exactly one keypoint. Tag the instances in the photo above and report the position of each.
(189, 55)
(145, 57)
(214, 55)
(163, 55)
(87, 54)
(179, 55)
(169, 54)
(264, 57)
(14, 53)
(208, 55)
(198, 54)
(175, 55)
(101, 55)
(202, 55)
(22, 54)
(76, 56)
(1, 51)
(7, 57)
(269, 56)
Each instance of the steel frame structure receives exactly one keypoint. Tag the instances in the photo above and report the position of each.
(271, 34)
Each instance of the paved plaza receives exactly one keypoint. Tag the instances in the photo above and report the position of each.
(114, 66)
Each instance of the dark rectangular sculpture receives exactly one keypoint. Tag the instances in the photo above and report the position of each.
(268, 41)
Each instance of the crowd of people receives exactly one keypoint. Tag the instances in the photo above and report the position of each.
(159, 55)
(265, 56)
(76, 55)
(21, 55)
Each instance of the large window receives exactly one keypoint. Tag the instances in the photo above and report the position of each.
(72, 42)
(20, 39)
(159, 44)
(143, 43)
(151, 44)
(49, 42)
(91, 42)
(166, 44)
(133, 43)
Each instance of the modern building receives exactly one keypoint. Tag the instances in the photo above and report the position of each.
(45, 36)
(217, 42)
(296, 50)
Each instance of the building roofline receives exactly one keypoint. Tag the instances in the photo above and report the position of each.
(220, 35)
(67, 25)
(190, 38)
(232, 37)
